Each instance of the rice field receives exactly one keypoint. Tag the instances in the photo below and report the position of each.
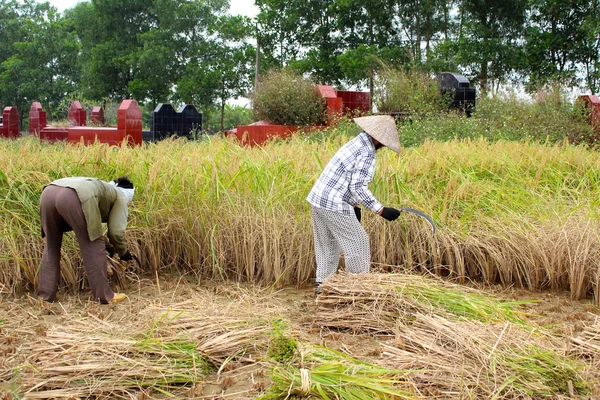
(514, 213)
(222, 305)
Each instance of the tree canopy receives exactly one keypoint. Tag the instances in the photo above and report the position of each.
(196, 51)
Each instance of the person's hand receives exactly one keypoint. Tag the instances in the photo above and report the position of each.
(390, 213)
(126, 257)
(110, 250)
(357, 213)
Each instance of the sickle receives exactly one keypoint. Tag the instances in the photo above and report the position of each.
(422, 215)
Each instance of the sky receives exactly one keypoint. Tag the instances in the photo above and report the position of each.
(241, 7)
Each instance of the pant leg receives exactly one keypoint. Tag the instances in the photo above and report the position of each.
(52, 224)
(327, 250)
(93, 252)
(351, 238)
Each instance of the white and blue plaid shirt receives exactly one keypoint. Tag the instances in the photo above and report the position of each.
(344, 182)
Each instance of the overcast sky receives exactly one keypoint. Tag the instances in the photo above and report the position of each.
(243, 7)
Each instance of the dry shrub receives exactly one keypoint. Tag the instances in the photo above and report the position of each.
(287, 98)
(407, 91)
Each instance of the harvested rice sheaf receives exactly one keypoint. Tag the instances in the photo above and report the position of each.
(455, 342)
(377, 302)
(325, 373)
(179, 349)
(80, 364)
(470, 359)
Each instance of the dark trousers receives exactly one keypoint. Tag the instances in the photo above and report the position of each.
(61, 211)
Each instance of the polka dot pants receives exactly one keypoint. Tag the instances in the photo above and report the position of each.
(337, 233)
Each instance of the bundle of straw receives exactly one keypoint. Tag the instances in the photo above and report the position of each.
(219, 338)
(470, 359)
(378, 302)
(79, 363)
(179, 349)
(328, 374)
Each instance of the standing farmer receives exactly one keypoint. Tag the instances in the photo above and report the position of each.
(82, 205)
(337, 194)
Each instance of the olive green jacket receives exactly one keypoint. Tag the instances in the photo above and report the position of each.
(101, 202)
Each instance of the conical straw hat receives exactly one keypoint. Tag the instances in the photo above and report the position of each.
(381, 128)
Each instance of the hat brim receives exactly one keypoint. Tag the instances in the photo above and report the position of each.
(381, 128)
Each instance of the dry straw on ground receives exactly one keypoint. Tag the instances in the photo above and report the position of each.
(161, 338)
(473, 360)
(587, 343)
(455, 342)
(91, 358)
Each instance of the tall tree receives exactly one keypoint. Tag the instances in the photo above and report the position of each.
(421, 21)
(223, 68)
(283, 29)
(557, 40)
(338, 42)
(110, 32)
(590, 57)
(43, 58)
(489, 42)
(366, 27)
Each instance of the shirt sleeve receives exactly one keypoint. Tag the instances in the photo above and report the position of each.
(117, 223)
(359, 184)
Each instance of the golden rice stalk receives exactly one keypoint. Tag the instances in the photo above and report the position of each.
(470, 359)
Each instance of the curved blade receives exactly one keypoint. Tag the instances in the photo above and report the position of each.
(422, 215)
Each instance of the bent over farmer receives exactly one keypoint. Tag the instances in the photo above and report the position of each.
(82, 204)
(340, 190)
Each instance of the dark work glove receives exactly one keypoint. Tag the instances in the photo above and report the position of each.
(357, 212)
(126, 257)
(390, 213)
(110, 250)
(109, 247)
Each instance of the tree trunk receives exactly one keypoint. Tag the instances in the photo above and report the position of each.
(484, 77)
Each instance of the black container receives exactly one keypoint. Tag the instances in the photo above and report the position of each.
(147, 136)
(166, 122)
(458, 91)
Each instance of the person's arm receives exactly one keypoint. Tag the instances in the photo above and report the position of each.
(359, 183)
(117, 223)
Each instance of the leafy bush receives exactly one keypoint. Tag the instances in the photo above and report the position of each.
(503, 118)
(410, 92)
(287, 98)
(233, 115)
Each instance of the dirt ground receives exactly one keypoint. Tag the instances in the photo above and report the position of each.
(24, 320)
